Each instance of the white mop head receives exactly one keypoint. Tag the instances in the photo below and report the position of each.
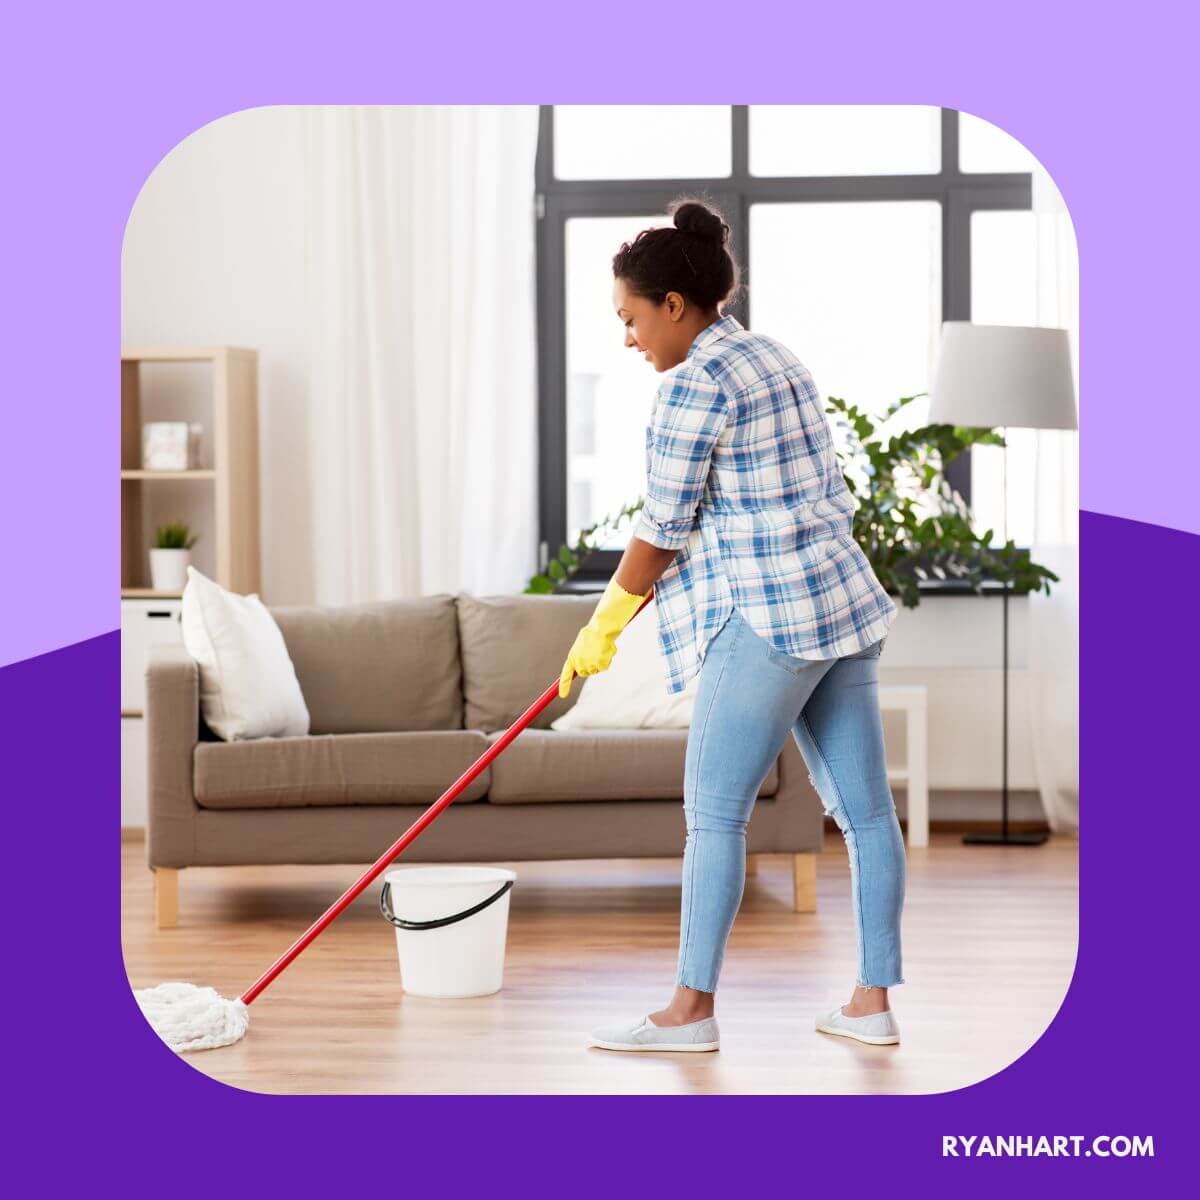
(188, 1017)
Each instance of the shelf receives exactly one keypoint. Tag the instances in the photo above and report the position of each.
(225, 510)
(194, 474)
(585, 581)
(184, 354)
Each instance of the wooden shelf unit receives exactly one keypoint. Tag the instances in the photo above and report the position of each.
(233, 477)
(202, 473)
(141, 593)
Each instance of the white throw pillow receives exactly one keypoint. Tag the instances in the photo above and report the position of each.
(248, 685)
(632, 693)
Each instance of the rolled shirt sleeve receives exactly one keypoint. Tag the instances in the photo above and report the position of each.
(691, 412)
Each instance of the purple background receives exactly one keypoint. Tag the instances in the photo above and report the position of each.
(94, 98)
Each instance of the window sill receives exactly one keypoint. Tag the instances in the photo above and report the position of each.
(584, 582)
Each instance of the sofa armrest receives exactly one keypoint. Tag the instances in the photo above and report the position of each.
(172, 731)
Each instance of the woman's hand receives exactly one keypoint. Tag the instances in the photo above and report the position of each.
(596, 642)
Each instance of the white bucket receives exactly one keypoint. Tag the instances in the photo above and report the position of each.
(458, 952)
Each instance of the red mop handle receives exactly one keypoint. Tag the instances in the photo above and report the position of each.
(447, 797)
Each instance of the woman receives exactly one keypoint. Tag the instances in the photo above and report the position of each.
(745, 536)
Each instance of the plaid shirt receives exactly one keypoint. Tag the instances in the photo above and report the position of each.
(743, 480)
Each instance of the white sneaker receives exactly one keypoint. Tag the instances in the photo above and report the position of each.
(643, 1034)
(878, 1029)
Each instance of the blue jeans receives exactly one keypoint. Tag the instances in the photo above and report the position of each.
(749, 698)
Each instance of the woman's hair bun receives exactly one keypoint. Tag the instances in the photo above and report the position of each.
(693, 217)
(691, 256)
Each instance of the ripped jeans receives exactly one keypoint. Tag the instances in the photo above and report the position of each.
(750, 697)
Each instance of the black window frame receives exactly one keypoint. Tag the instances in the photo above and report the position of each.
(558, 200)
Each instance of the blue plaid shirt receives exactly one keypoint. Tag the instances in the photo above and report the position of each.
(743, 480)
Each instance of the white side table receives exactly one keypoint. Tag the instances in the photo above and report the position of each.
(910, 698)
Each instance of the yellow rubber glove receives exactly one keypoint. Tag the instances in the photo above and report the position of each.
(596, 642)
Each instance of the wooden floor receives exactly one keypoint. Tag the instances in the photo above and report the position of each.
(990, 938)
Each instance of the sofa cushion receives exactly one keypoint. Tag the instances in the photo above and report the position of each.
(335, 769)
(598, 764)
(377, 668)
(248, 685)
(632, 692)
(513, 647)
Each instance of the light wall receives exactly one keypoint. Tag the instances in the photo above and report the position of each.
(214, 254)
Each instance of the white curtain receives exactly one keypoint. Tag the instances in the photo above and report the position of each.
(1054, 619)
(421, 305)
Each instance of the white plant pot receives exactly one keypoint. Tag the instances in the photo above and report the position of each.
(168, 569)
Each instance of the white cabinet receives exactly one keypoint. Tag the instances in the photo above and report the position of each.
(143, 624)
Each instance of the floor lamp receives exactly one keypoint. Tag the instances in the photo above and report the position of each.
(1003, 375)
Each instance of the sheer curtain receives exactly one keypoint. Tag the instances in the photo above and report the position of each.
(421, 325)
(1054, 619)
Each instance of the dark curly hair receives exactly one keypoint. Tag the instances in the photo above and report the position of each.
(691, 258)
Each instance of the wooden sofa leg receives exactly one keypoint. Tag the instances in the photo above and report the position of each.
(751, 864)
(804, 882)
(166, 897)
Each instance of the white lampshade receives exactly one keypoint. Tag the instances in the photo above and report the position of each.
(1003, 375)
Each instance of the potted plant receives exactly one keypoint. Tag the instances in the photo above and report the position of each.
(170, 555)
(568, 559)
(912, 525)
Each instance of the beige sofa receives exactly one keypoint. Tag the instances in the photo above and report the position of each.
(403, 697)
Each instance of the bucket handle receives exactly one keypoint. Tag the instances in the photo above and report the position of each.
(385, 907)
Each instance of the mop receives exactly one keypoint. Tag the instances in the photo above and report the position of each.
(188, 1017)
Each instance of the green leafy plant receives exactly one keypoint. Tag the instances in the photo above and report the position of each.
(566, 562)
(911, 524)
(174, 535)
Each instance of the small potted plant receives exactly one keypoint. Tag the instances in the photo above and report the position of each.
(170, 555)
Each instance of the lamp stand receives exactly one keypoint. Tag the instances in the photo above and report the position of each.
(1005, 837)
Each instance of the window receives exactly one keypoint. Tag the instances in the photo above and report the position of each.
(643, 141)
(867, 317)
(1004, 292)
(895, 218)
(983, 147)
(609, 387)
(844, 139)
